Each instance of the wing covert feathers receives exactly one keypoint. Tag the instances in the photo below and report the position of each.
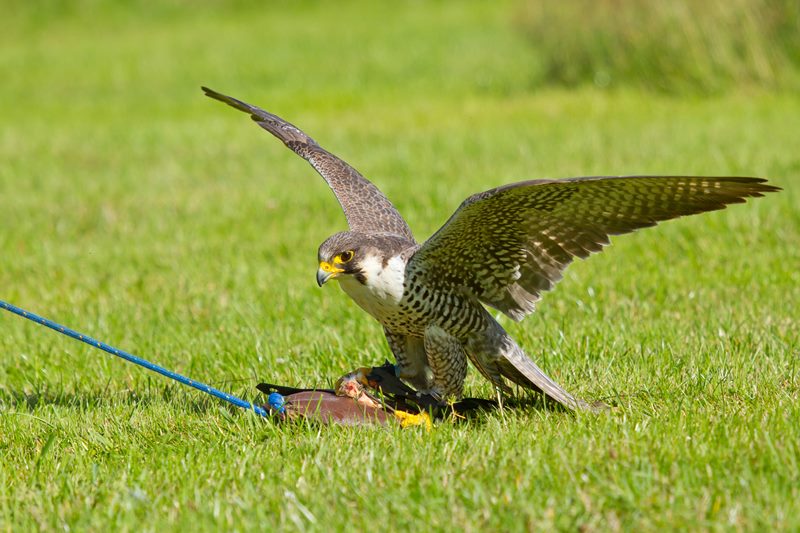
(507, 245)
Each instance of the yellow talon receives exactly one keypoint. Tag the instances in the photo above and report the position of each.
(409, 419)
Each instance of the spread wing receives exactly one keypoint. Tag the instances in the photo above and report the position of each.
(366, 208)
(507, 245)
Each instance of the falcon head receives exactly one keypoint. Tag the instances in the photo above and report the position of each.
(351, 253)
(340, 255)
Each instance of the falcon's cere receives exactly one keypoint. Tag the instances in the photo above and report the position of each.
(501, 248)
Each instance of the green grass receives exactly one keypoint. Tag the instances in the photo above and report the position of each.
(694, 46)
(142, 213)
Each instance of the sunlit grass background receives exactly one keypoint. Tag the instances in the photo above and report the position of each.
(140, 212)
(690, 46)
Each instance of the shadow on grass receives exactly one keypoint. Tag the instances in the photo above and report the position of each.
(480, 411)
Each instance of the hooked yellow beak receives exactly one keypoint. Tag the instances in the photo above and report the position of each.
(327, 271)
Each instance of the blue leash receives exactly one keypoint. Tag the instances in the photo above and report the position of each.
(238, 402)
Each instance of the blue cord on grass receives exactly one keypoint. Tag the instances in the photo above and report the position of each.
(238, 402)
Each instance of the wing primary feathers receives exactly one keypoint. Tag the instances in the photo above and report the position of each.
(366, 208)
(280, 128)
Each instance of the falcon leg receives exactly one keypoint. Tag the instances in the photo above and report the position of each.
(447, 361)
(412, 363)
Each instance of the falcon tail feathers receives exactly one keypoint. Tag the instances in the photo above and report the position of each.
(519, 368)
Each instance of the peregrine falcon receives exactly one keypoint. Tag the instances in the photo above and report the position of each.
(501, 248)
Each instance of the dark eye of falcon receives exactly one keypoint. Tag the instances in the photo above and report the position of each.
(346, 257)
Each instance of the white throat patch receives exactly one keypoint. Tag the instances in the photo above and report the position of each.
(383, 289)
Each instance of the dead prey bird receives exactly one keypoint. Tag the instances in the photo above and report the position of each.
(501, 248)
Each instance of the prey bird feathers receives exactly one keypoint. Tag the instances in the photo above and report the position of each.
(501, 248)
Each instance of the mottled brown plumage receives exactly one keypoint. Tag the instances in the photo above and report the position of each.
(502, 248)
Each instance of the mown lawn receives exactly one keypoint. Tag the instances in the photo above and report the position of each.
(144, 214)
